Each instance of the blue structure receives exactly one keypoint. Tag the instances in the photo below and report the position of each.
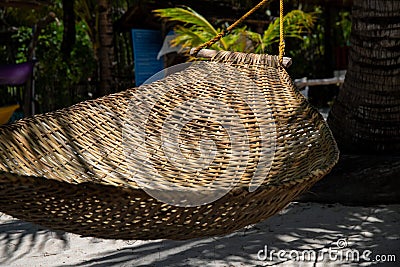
(146, 45)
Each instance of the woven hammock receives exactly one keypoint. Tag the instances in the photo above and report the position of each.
(203, 152)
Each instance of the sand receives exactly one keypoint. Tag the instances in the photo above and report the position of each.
(296, 233)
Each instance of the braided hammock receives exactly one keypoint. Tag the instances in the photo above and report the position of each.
(73, 169)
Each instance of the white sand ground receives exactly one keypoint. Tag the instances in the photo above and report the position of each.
(300, 230)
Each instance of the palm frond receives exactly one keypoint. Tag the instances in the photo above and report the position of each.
(243, 40)
(190, 37)
(189, 17)
(196, 30)
(295, 23)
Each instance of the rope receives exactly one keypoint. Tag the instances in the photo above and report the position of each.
(229, 29)
(281, 33)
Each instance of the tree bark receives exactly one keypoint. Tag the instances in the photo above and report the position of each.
(69, 35)
(366, 114)
(106, 48)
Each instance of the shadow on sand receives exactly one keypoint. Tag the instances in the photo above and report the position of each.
(300, 227)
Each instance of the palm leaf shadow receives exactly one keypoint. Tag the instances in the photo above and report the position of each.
(302, 226)
(19, 238)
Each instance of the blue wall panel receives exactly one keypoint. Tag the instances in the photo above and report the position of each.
(146, 45)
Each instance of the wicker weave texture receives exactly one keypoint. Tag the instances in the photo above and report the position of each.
(83, 169)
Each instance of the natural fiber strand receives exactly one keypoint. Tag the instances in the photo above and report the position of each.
(281, 32)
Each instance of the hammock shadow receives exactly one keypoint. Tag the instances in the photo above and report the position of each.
(303, 231)
(302, 226)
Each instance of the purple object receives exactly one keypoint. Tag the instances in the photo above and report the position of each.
(16, 74)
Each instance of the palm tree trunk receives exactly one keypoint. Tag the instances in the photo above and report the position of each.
(106, 48)
(69, 35)
(366, 115)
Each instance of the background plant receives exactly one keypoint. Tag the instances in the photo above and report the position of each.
(193, 30)
(57, 80)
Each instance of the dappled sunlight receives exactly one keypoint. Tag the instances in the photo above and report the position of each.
(300, 227)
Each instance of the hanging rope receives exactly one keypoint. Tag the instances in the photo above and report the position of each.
(281, 33)
(236, 23)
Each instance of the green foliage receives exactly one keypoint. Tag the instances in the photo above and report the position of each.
(310, 50)
(22, 37)
(295, 24)
(343, 26)
(87, 13)
(244, 40)
(197, 30)
(57, 79)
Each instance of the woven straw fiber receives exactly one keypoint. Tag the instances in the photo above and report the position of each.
(75, 169)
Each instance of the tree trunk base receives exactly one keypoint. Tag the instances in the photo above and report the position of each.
(359, 180)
